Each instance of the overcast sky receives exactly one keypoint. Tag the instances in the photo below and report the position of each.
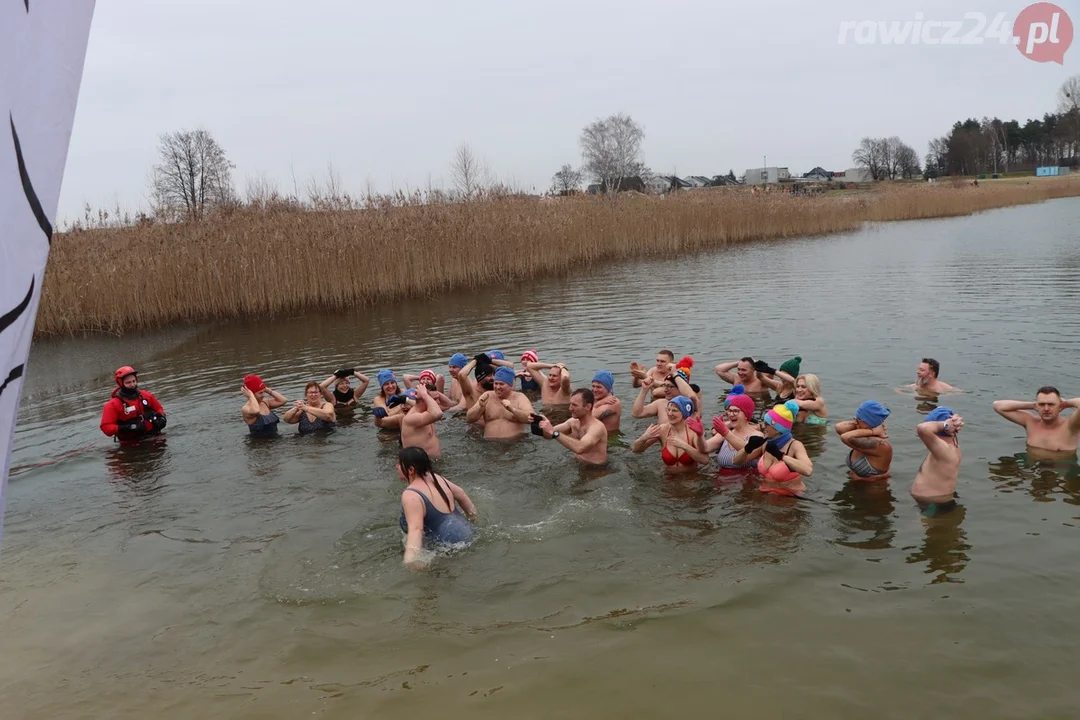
(386, 91)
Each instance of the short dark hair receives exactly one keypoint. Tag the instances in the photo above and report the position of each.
(934, 365)
(669, 354)
(747, 359)
(586, 395)
(1048, 390)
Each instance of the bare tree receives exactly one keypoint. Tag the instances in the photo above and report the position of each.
(1069, 95)
(907, 162)
(261, 190)
(870, 156)
(566, 180)
(467, 172)
(193, 175)
(611, 150)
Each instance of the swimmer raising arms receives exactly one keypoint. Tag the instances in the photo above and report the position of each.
(418, 423)
(644, 406)
(343, 395)
(555, 386)
(782, 461)
(935, 483)
(746, 374)
(1043, 423)
(665, 365)
(871, 452)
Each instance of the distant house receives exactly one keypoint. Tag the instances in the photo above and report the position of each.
(697, 181)
(722, 180)
(627, 183)
(819, 173)
(853, 175)
(661, 184)
(766, 175)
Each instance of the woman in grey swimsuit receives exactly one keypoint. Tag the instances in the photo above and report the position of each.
(313, 412)
(866, 435)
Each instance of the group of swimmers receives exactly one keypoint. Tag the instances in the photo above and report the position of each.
(483, 389)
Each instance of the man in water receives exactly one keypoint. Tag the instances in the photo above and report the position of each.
(934, 488)
(504, 410)
(1046, 429)
(746, 374)
(555, 386)
(418, 424)
(665, 365)
(457, 361)
(926, 379)
(131, 414)
(606, 407)
(654, 408)
(582, 434)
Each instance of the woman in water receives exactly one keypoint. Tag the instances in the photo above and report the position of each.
(258, 411)
(783, 382)
(313, 412)
(812, 410)
(343, 395)
(732, 431)
(431, 507)
(387, 417)
(871, 452)
(678, 446)
(782, 461)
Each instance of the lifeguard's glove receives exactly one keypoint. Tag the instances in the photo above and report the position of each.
(130, 427)
(763, 367)
(753, 443)
(343, 373)
(158, 422)
(379, 412)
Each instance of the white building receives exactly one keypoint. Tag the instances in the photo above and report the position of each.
(767, 176)
(853, 175)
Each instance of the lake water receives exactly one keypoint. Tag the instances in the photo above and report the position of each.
(214, 576)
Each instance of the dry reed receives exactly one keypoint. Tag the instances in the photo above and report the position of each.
(261, 262)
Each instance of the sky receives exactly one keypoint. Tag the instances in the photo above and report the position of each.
(386, 92)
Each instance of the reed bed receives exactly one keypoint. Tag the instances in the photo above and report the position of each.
(262, 262)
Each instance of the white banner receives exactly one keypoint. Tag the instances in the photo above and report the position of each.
(42, 49)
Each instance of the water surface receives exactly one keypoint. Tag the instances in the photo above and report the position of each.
(216, 576)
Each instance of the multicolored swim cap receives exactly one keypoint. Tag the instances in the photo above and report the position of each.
(505, 375)
(605, 378)
(739, 399)
(782, 417)
(685, 405)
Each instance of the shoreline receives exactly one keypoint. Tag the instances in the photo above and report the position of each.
(253, 262)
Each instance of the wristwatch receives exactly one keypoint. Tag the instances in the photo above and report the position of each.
(555, 434)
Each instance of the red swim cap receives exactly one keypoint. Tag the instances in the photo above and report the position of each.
(254, 383)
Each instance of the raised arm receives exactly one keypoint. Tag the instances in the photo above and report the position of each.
(251, 407)
(647, 439)
(724, 371)
(928, 433)
(813, 405)
(534, 369)
(432, 412)
(1074, 419)
(362, 388)
(275, 400)
(639, 409)
(1015, 411)
(324, 388)
(520, 407)
(773, 382)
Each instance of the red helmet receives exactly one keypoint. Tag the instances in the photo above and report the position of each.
(123, 372)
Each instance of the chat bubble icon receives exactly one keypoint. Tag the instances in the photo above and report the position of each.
(1043, 32)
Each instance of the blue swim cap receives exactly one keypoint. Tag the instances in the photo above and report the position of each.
(872, 413)
(385, 376)
(685, 405)
(496, 355)
(940, 414)
(605, 378)
(505, 375)
(458, 360)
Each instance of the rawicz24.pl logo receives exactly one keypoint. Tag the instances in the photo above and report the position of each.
(1041, 32)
